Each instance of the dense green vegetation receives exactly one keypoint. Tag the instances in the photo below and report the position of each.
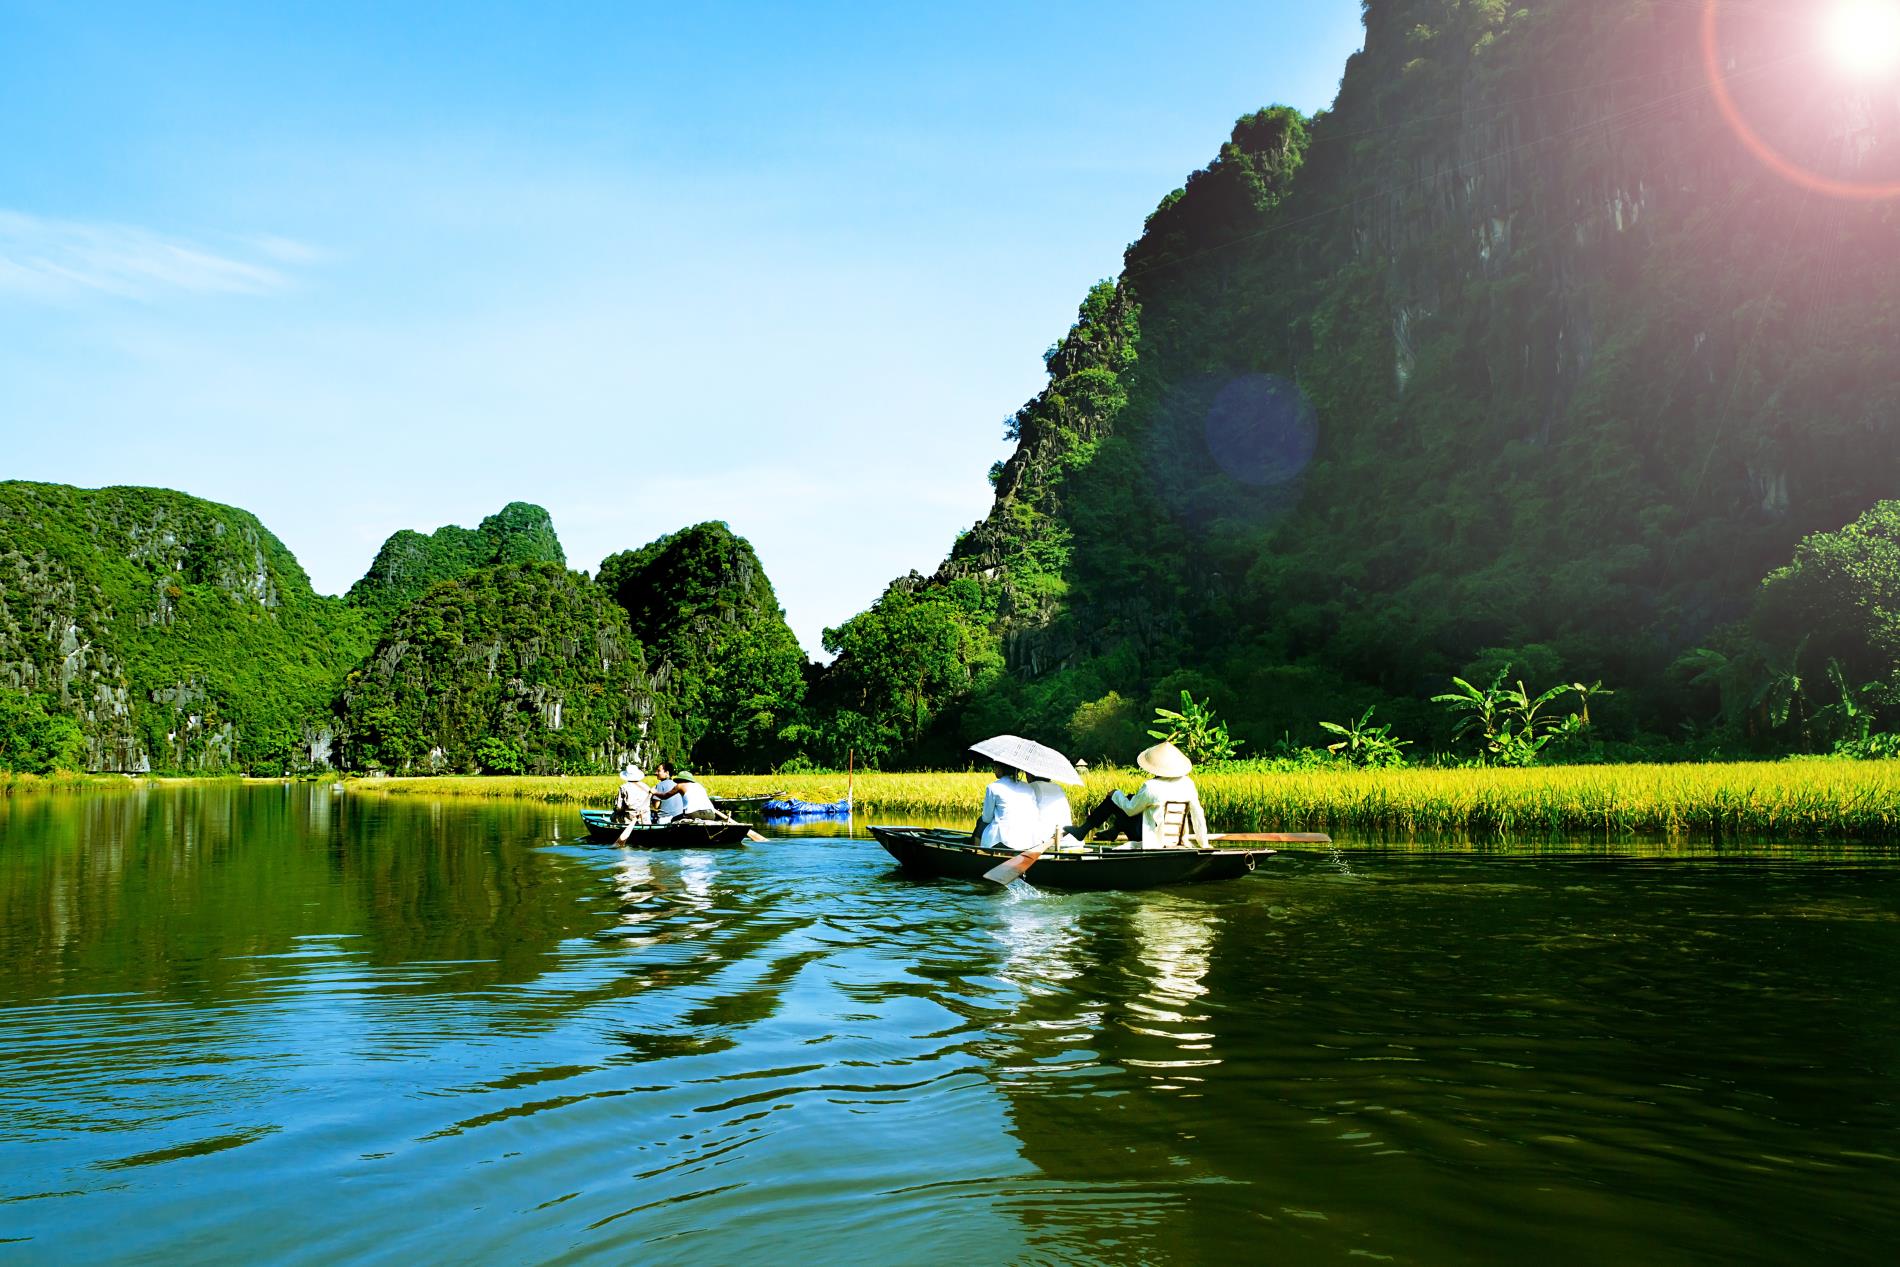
(525, 667)
(1515, 358)
(410, 563)
(175, 633)
(36, 735)
(716, 640)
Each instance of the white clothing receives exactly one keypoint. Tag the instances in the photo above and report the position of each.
(1012, 816)
(1147, 801)
(687, 797)
(631, 802)
(1052, 804)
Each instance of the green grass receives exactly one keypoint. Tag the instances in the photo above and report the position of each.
(1784, 800)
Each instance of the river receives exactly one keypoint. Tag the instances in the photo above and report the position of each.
(291, 1025)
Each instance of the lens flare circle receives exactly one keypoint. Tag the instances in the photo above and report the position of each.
(1862, 37)
(1772, 158)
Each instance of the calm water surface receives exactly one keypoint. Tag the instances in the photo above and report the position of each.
(288, 1025)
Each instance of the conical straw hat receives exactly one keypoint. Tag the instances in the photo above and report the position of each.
(1164, 761)
(1029, 757)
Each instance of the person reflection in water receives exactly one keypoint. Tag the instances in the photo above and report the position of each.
(1137, 816)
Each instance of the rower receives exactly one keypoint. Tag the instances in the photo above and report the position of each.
(689, 799)
(1138, 814)
(632, 802)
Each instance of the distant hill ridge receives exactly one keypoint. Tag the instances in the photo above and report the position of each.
(181, 635)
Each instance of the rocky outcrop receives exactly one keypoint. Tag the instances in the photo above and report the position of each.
(524, 668)
(180, 633)
(701, 604)
(409, 562)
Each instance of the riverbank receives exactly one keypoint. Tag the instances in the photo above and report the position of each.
(69, 781)
(1783, 800)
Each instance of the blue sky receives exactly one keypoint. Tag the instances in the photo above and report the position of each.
(362, 267)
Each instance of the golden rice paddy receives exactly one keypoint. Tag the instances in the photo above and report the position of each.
(1785, 800)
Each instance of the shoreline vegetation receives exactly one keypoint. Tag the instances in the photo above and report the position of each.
(1783, 800)
(75, 781)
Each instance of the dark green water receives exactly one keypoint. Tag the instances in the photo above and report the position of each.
(263, 1024)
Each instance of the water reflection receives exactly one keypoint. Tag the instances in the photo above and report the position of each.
(231, 1013)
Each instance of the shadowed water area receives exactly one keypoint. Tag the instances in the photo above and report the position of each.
(245, 1024)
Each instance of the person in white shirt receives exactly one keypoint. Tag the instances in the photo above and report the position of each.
(1137, 814)
(1012, 816)
(1053, 813)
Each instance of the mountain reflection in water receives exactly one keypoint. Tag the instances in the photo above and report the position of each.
(275, 1023)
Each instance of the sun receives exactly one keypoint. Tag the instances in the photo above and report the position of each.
(1862, 37)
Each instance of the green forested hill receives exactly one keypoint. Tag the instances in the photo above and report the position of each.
(1517, 355)
(409, 562)
(145, 629)
(716, 638)
(525, 667)
(180, 634)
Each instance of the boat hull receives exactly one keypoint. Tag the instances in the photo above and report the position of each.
(926, 851)
(691, 833)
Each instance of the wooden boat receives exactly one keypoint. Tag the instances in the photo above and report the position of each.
(931, 851)
(690, 833)
(734, 803)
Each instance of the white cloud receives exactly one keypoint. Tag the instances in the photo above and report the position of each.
(53, 259)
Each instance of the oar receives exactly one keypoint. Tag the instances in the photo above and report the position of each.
(750, 835)
(1010, 870)
(1276, 837)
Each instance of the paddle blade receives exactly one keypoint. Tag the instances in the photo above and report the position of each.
(1010, 870)
(1278, 837)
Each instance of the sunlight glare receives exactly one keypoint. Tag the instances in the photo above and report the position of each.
(1862, 37)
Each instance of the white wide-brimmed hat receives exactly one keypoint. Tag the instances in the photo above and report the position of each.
(633, 773)
(1164, 761)
(1037, 760)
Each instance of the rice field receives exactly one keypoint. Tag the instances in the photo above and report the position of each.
(70, 781)
(1780, 800)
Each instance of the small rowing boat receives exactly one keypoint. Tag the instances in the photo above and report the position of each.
(681, 833)
(732, 804)
(935, 852)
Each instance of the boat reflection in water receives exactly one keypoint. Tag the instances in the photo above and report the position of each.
(1115, 1015)
(1175, 945)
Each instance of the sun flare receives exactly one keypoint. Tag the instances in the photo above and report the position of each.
(1862, 37)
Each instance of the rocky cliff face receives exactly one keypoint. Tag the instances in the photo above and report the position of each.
(181, 633)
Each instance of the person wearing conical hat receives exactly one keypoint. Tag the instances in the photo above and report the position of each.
(1137, 814)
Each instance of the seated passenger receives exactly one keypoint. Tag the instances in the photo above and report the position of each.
(1012, 816)
(1137, 814)
(1054, 817)
(692, 800)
